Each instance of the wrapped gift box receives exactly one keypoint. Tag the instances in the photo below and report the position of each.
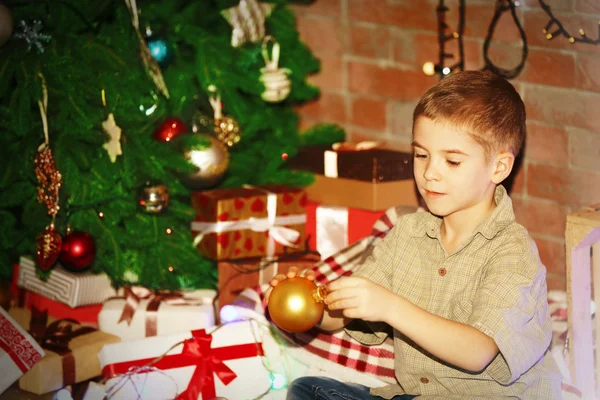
(236, 275)
(71, 351)
(72, 289)
(86, 315)
(249, 221)
(227, 362)
(19, 352)
(140, 313)
(374, 179)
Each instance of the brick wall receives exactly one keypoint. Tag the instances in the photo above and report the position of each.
(372, 52)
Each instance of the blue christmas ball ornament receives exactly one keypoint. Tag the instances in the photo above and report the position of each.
(160, 50)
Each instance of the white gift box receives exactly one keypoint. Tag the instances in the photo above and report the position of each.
(19, 352)
(72, 289)
(193, 310)
(227, 362)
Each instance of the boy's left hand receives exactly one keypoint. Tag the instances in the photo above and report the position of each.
(359, 298)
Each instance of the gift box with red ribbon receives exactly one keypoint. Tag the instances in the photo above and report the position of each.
(249, 221)
(224, 362)
(71, 351)
(140, 312)
(19, 352)
(360, 175)
(236, 275)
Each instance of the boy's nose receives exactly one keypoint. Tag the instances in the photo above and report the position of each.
(430, 172)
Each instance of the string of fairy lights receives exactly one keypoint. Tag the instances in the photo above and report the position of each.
(552, 29)
(558, 29)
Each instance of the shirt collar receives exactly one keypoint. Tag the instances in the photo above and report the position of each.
(500, 218)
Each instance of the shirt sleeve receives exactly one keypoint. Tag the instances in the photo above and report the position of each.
(510, 306)
(379, 268)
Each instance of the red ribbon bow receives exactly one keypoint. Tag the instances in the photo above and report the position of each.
(196, 351)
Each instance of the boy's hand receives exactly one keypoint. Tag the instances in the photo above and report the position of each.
(359, 298)
(292, 272)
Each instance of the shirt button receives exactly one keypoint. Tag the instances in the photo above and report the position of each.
(424, 380)
(442, 271)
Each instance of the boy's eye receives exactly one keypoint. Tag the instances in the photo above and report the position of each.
(417, 155)
(453, 163)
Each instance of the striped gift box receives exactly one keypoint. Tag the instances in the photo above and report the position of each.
(72, 289)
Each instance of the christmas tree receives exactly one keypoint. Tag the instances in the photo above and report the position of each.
(113, 71)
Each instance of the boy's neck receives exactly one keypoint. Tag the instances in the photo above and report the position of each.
(459, 225)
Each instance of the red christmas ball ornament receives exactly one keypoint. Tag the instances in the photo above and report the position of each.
(78, 251)
(170, 128)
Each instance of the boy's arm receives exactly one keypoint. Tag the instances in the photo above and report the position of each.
(455, 343)
(333, 320)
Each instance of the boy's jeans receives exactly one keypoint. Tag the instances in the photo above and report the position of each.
(320, 388)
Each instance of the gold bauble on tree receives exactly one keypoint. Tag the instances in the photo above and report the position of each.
(212, 163)
(296, 304)
(154, 197)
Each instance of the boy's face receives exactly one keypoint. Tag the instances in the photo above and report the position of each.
(450, 168)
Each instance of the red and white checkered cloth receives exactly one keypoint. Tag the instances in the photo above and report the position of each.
(339, 347)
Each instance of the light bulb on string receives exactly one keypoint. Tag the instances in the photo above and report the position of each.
(171, 269)
(429, 68)
(169, 231)
(278, 381)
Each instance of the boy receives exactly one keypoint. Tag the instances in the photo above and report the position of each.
(462, 286)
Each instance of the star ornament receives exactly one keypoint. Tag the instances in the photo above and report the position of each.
(248, 21)
(113, 146)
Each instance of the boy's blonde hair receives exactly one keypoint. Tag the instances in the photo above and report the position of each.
(484, 104)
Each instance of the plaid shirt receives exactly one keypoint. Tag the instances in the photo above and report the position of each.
(494, 282)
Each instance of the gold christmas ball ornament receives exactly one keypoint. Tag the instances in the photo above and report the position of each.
(212, 163)
(6, 24)
(227, 130)
(277, 84)
(154, 197)
(296, 304)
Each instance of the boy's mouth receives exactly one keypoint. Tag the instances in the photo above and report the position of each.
(433, 195)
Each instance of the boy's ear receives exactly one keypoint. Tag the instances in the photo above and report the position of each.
(503, 166)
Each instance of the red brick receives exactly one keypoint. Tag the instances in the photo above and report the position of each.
(478, 18)
(536, 20)
(547, 144)
(549, 68)
(331, 74)
(401, 118)
(556, 282)
(584, 149)
(330, 8)
(401, 13)
(321, 35)
(587, 73)
(419, 48)
(542, 216)
(388, 82)
(587, 6)
(330, 107)
(555, 5)
(552, 254)
(356, 134)
(563, 107)
(370, 41)
(369, 113)
(505, 55)
(563, 184)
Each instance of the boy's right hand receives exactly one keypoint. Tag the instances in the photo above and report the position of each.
(292, 272)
